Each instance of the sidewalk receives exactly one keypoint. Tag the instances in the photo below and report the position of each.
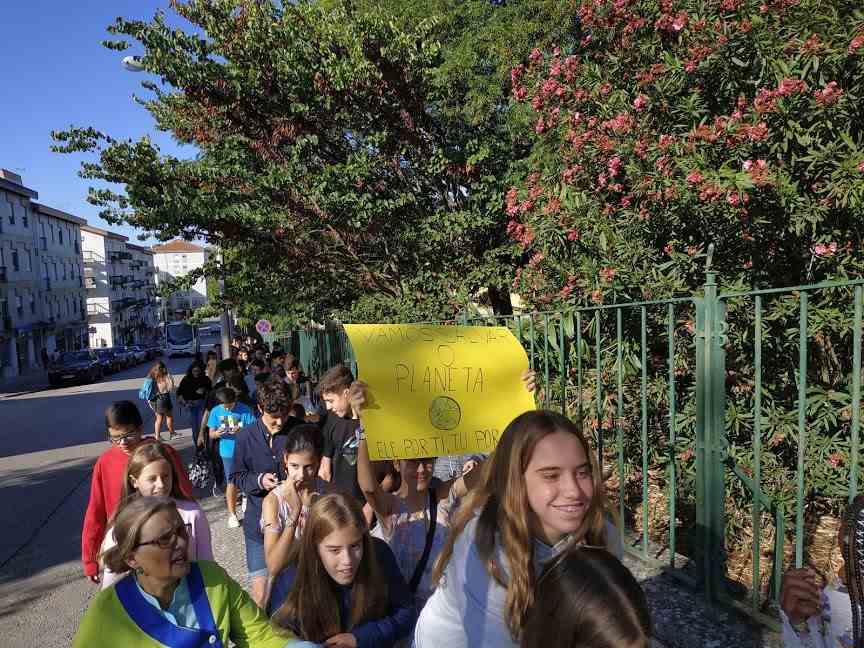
(23, 384)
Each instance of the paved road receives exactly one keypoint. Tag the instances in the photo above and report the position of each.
(49, 441)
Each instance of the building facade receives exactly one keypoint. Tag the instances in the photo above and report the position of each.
(119, 276)
(64, 298)
(41, 286)
(176, 259)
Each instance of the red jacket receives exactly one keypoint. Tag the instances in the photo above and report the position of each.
(105, 488)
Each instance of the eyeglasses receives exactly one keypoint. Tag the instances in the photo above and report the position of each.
(166, 540)
(117, 440)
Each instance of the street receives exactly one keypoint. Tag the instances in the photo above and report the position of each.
(49, 441)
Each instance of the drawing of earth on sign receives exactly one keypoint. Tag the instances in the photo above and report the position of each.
(444, 413)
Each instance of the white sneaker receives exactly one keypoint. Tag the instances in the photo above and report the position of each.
(233, 522)
(243, 504)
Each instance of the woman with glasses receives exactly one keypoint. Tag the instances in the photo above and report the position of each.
(169, 600)
(150, 473)
(124, 427)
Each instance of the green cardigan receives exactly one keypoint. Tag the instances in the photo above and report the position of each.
(106, 622)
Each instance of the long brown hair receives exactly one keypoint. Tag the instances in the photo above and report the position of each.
(145, 454)
(312, 608)
(158, 371)
(587, 599)
(502, 500)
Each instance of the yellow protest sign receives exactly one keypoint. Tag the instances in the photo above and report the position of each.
(438, 390)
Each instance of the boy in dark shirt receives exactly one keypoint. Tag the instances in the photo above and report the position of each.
(339, 464)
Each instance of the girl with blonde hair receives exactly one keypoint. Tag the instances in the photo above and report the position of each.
(541, 493)
(150, 473)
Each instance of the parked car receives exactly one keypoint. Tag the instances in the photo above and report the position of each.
(127, 357)
(109, 361)
(139, 353)
(75, 366)
(155, 350)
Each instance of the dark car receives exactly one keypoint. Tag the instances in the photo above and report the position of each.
(124, 355)
(108, 360)
(75, 366)
(154, 351)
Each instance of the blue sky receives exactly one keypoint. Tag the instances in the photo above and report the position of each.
(55, 73)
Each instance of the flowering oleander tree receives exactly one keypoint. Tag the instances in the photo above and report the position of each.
(678, 124)
(675, 124)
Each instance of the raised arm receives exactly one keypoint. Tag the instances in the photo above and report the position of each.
(277, 539)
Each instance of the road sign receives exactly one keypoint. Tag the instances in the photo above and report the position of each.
(263, 326)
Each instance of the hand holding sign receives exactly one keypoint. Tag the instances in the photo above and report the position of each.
(438, 390)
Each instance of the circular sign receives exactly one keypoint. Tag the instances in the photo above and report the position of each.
(263, 326)
(444, 413)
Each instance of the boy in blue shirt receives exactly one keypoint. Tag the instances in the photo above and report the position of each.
(227, 418)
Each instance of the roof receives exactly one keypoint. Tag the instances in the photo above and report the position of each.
(12, 182)
(139, 248)
(176, 245)
(56, 213)
(101, 232)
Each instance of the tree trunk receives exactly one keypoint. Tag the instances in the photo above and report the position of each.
(499, 298)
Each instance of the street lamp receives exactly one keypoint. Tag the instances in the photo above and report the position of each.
(133, 63)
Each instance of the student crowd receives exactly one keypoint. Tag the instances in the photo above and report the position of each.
(516, 549)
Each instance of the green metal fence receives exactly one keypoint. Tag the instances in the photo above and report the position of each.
(682, 437)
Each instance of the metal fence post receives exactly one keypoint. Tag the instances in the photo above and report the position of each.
(711, 432)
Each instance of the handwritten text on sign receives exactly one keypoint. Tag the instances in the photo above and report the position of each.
(438, 390)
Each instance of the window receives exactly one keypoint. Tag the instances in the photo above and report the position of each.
(32, 303)
(60, 235)
(11, 214)
(15, 265)
(19, 304)
(51, 229)
(25, 219)
(26, 260)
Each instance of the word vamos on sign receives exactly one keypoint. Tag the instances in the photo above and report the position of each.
(438, 390)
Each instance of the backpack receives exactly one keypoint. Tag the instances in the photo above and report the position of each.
(148, 390)
(200, 472)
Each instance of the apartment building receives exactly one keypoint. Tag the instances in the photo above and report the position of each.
(41, 290)
(119, 277)
(176, 259)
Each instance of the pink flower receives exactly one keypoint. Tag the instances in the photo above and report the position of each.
(680, 21)
(835, 459)
(668, 249)
(824, 250)
(861, 166)
(733, 199)
(597, 296)
(614, 166)
(519, 93)
(640, 102)
(573, 235)
(535, 55)
(608, 274)
(791, 86)
(856, 44)
(828, 95)
(540, 126)
(694, 177)
(516, 73)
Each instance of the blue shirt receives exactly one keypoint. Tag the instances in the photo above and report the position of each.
(396, 624)
(181, 611)
(241, 414)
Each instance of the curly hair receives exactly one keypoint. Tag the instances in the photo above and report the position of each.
(273, 397)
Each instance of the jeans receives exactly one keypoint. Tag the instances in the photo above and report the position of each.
(196, 412)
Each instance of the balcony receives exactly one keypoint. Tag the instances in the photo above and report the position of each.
(121, 256)
(93, 257)
(97, 309)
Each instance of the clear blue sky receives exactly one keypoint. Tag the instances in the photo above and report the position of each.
(54, 73)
